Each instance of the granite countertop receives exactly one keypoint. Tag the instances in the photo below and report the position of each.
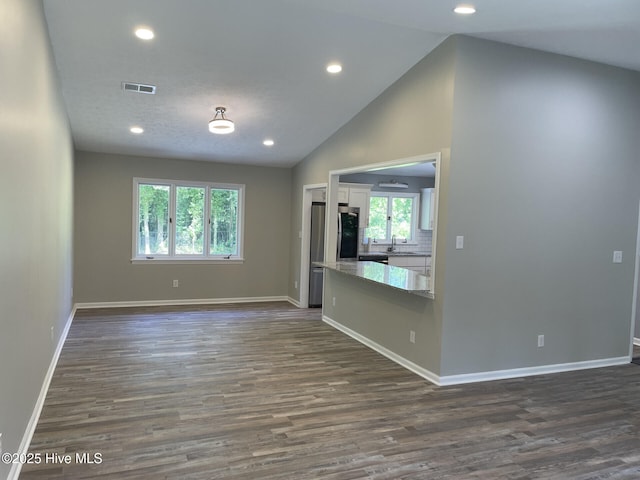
(395, 277)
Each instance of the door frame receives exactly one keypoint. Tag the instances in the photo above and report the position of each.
(633, 340)
(305, 239)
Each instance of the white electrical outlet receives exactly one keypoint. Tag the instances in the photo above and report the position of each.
(617, 256)
(176, 283)
(52, 332)
(412, 336)
(295, 284)
(540, 340)
(459, 242)
(334, 301)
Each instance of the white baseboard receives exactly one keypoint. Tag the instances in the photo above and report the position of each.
(188, 301)
(294, 302)
(636, 341)
(479, 376)
(529, 371)
(14, 473)
(408, 364)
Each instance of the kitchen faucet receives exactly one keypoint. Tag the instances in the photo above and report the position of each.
(392, 248)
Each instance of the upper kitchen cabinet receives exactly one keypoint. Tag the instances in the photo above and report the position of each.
(358, 196)
(319, 195)
(343, 195)
(427, 208)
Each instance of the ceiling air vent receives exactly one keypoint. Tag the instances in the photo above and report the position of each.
(139, 88)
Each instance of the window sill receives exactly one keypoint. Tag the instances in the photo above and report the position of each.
(187, 261)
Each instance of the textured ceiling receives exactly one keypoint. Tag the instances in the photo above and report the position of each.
(264, 61)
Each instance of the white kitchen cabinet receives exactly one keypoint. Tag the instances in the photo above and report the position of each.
(359, 195)
(343, 195)
(420, 264)
(319, 195)
(427, 208)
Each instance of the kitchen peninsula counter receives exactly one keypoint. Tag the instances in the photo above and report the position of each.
(395, 277)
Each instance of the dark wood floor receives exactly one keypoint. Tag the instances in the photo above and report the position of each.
(268, 391)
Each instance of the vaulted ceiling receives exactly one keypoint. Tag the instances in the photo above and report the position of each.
(264, 60)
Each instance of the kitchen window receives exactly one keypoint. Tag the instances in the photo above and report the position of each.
(393, 214)
(187, 221)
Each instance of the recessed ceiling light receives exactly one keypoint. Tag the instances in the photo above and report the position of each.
(464, 10)
(268, 142)
(144, 33)
(136, 130)
(334, 68)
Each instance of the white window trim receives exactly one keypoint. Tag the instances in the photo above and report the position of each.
(171, 257)
(414, 217)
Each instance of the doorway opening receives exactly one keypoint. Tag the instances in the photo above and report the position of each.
(311, 193)
(431, 161)
(330, 194)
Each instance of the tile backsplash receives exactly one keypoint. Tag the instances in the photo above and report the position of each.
(424, 238)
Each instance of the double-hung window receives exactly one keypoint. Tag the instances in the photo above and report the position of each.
(393, 214)
(186, 220)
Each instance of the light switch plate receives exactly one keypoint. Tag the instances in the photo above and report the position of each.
(459, 242)
(617, 256)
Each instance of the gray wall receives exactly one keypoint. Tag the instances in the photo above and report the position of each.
(412, 117)
(103, 233)
(36, 215)
(386, 316)
(544, 185)
(541, 177)
(636, 333)
(420, 107)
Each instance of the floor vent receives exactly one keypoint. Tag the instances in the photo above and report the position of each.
(139, 88)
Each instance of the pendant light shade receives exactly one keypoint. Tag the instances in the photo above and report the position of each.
(393, 184)
(220, 124)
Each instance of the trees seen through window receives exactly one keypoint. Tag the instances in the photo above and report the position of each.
(180, 220)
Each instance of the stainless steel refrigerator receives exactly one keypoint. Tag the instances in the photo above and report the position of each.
(348, 232)
(347, 244)
(316, 254)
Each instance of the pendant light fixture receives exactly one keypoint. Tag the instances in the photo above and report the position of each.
(393, 184)
(220, 124)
